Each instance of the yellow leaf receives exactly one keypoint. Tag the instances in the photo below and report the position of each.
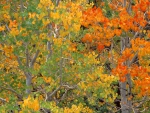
(36, 105)
(2, 28)
(55, 15)
(76, 27)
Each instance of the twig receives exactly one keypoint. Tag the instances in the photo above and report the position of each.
(19, 62)
(50, 95)
(142, 101)
(69, 87)
(7, 27)
(64, 95)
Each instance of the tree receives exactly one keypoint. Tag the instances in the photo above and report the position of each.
(129, 26)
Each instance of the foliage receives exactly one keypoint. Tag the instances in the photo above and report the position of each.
(73, 57)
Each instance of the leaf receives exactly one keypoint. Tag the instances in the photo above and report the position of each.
(100, 47)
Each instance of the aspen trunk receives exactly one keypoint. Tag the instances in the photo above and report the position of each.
(124, 91)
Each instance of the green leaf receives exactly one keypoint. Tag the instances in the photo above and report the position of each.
(24, 14)
(40, 81)
(80, 47)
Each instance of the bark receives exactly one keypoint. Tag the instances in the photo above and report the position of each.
(124, 3)
(28, 83)
(28, 64)
(126, 104)
(123, 92)
(57, 2)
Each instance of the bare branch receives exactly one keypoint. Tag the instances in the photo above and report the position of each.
(49, 48)
(3, 100)
(64, 95)
(142, 101)
(69, 87)
(19, 62)
(129, 6)
(49, 96)
(124, 3)
(57, 2)
(133, 59)
(137, 33)
(61, 66)
(7, 27)
(13, 91)
(34, 59)
(27, 56)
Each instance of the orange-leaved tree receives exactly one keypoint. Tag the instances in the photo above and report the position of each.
(124, 38)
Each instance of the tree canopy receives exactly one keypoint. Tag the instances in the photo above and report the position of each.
(74, 56)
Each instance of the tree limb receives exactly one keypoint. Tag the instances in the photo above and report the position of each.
(3, 100)
(57, 2)
(133, 59)
(13, 91)
(27, 56)
(49, 96)
(34, 59)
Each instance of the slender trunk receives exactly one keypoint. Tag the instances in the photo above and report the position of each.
(28, 83)
(126, 104)
(125, 93)
(123, 90)
(124, 3)
(28, 65)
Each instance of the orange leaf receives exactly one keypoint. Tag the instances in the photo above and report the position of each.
(87, 38)
(100, 47)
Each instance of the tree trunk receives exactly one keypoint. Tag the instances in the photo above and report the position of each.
(124, 92)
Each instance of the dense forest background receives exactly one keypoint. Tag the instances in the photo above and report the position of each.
(74, 56)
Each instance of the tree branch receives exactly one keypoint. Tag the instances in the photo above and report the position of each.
(57, 2)
(19, 62)
(27, 56)
(124, 3)
(13, 91)
(34, 59)
(133, 59)
(69, 87)
(3, 100)
(49, 48)
(48, 98)
(64, 95)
